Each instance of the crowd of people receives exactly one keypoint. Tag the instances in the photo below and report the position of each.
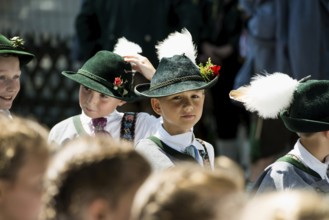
(108, 164)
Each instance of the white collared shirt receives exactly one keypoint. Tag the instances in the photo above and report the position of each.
(145, 126)
(178, 142)
(112, 126)
(6, 113)
(310, 161)
(181, 141)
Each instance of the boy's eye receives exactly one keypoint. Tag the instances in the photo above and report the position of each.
(86, 88)
(17, 76)
(2, 77)
(103, 95)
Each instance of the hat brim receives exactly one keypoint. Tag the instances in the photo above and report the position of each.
(24, 57)
(303, 125)
(98, 87)
(183, 86)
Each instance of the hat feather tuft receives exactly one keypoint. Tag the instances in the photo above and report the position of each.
(124, 47)
(177, 44)
(267, 94)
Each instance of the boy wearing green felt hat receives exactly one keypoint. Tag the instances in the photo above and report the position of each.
(303, 107)
(177, 93)
(13, 55)
(106, 82)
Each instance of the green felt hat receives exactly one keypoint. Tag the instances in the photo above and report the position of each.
(15, 46)
(106, 73)
(174, 75)
(309, 110)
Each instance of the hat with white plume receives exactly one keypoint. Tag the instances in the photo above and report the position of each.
(177, 44)
(177, 71)
(302, 105)
(124, 47)
(108, 73)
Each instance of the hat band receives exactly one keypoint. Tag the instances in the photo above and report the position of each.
(172, 81)
(10, 47)
(97, 78)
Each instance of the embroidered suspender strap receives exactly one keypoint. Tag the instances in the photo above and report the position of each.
(128, 122)
(78, 125)
(204, 154)
(170, 151)
(294, 160)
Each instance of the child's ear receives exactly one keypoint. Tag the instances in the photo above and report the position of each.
(327, 134)
(121, 103)
(156, 106)
(98, 210)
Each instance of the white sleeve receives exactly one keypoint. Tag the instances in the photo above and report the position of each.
(146, 125)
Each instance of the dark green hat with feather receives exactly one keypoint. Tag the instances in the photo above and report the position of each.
(177, 71)
(302, 105)
(108, 73)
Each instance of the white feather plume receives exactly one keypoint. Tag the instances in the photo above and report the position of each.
(177, 44)
(124, 47)
(267, 94)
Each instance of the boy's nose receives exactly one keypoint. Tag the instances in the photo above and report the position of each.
(10, 85)
(188, 105)
(92, 98)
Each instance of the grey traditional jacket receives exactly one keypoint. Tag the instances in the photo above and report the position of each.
(283, 175)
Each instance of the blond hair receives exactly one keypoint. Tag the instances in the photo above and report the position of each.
(232, 169)
(20, 138)
(88, 168)
(187, 191)
(287, 205)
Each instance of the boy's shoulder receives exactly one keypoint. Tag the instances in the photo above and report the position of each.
(64, 123)
(142, 116)
(145, 143)
(155, 155)
(290, 165)
(284, 174)
(62, 130)
(282, 169)
(155, 148)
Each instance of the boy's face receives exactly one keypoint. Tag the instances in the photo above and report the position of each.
(181, 111)
(9, 81)
(95, 104)
(21, 198)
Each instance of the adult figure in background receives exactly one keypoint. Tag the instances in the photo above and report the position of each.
(220, 42)
(101, 22)
(283, 36)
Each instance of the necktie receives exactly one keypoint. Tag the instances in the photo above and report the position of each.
(192, 151)
(99, 125)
